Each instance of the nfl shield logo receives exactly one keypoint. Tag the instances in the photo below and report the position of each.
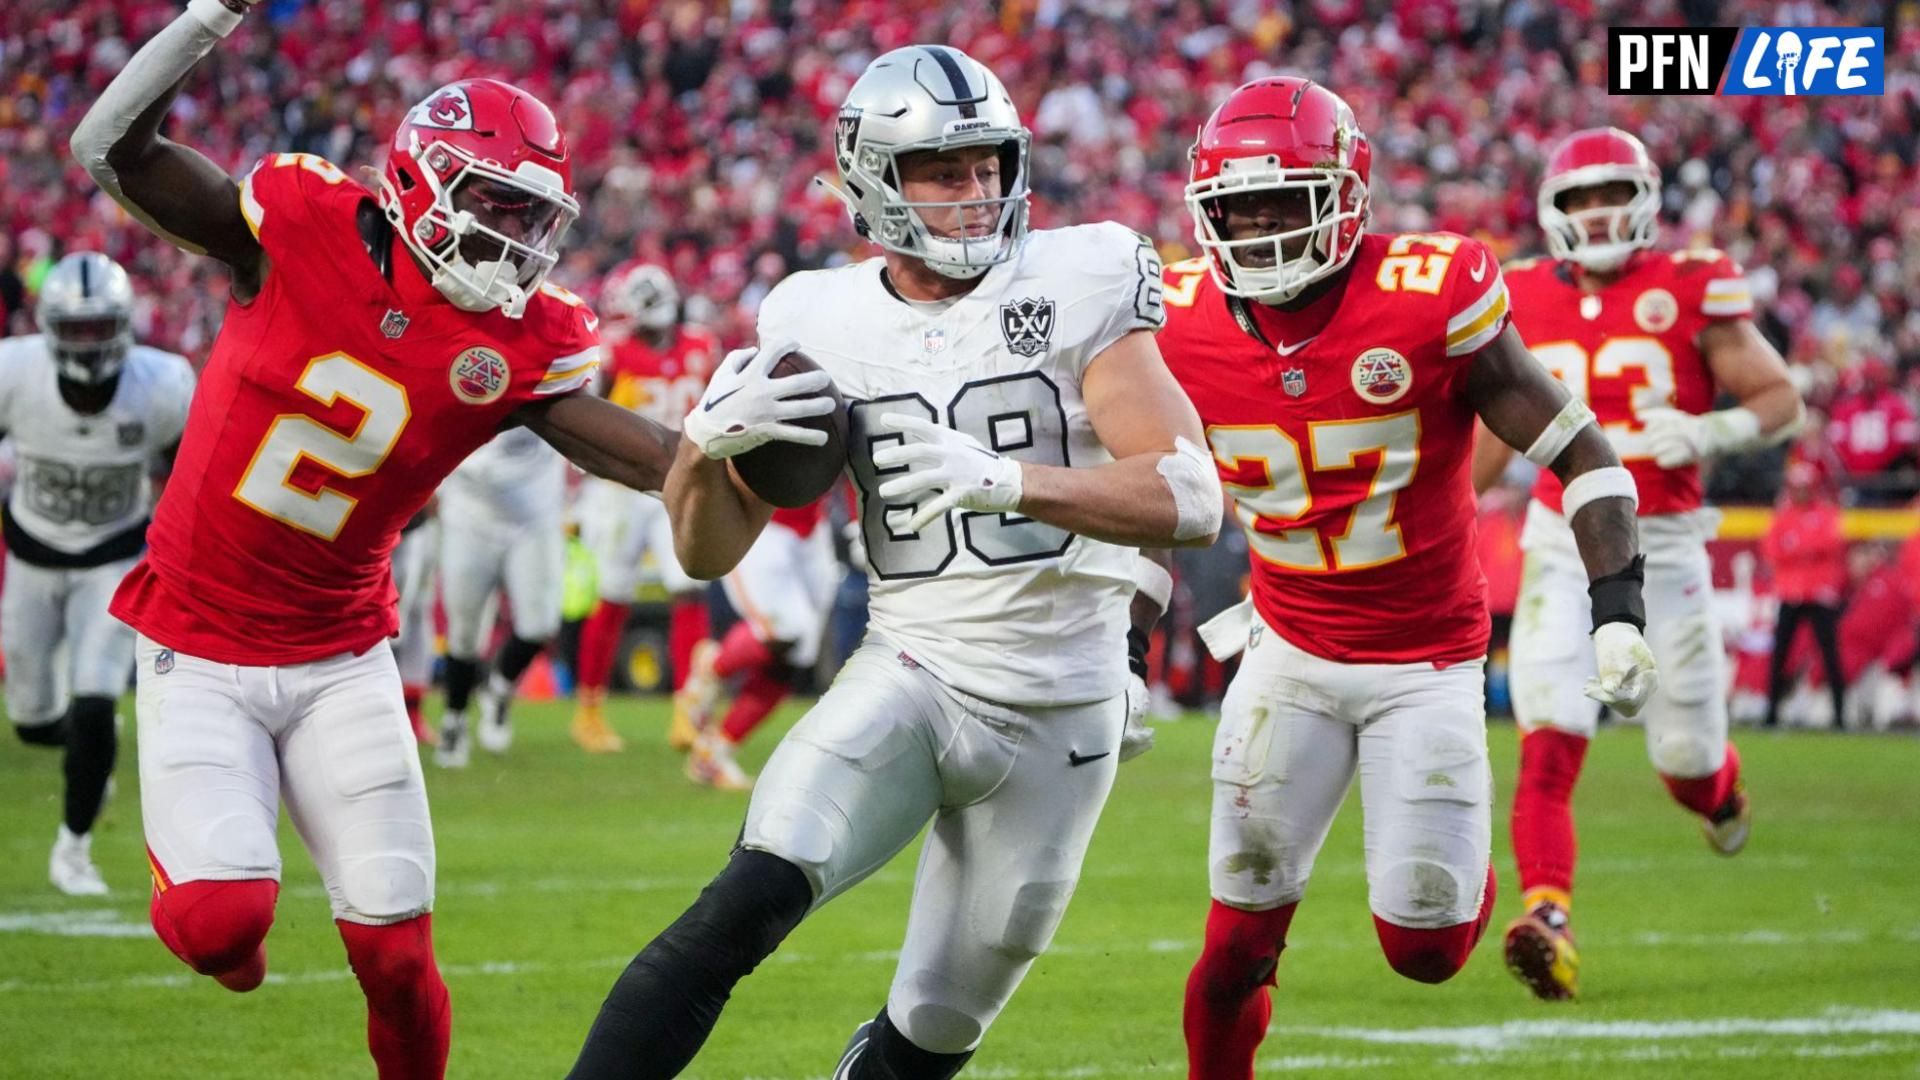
(393, 325)
(1294, 381)
(163, 661)
(934, 341)
(1027, 325)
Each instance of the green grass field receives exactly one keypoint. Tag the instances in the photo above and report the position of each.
(1800, 958)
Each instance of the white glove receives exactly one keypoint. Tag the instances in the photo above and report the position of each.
(966, 474)
(1679, 438)
(1626, 676)
(744, 407)
(1136, 738)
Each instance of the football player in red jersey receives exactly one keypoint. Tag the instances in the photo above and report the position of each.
(1339, 374)
(657, 366)
(372, 342)
(1647, 339)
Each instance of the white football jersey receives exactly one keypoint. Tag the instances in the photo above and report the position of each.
(995, 605)
(82, 480)
(514, 479)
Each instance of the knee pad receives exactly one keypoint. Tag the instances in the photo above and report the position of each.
(214, 926)
(387, 886)
(941, 1028)
(1685, 754)
(1434, 955)
(891, 1054)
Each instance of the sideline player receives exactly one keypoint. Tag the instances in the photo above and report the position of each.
(416, 560)
(1014, 435)
(372, 342)
(1648, 339)
(1339, 373)
(657, 366)
(94, 420)
(501, 528)
(783, 590)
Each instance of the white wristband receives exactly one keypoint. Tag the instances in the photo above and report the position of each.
(1566, 424)
(214, 15)
(1612, 482)
(1153, 582)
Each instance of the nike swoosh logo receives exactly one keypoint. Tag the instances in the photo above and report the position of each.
(711, 402)
(1289, 350)
(593, 323)
(1074, 759)
(1480, 271)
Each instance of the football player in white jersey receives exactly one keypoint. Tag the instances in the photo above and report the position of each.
(1014, 436)
(415, 562)
(93, 418)
(501, 527)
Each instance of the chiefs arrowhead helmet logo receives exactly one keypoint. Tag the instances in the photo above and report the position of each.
(449, 109)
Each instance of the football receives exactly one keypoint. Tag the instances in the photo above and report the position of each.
(788, 474)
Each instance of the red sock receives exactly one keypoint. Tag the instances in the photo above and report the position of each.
(1705, 794)
(599, 641)
(1434, 956)
(217, 927)
(1227, 1005)
(1544, 845)
(741, 651)
(759, 694)
(686, 627)
(409, 1015)
(412, 696)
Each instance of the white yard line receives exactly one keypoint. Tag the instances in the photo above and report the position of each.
(1516, 1034)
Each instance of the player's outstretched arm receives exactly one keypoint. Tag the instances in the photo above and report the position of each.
(172, 189)
(604, 439)
(1160, 490)
(1522, 403)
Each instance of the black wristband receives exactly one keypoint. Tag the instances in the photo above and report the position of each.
(1616, 597)
(1137, 651)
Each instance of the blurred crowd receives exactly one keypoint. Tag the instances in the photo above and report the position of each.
(698, 127)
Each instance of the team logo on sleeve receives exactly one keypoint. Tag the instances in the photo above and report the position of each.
(1381, 376)
(1656, 310)
(1027, 325)
(479, 376)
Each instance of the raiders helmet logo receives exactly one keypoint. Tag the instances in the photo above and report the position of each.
(1027, 326)
(1381, 376)
(479, 376)
(449, 109)
(131, 433)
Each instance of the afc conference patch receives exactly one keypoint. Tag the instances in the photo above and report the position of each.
(1381, 376)
(479, 376)
(1027, 325)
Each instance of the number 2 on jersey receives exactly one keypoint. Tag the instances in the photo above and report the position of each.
(266, 485)
(1371, 538)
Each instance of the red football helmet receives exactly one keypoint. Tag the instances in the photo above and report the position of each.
(1600, 238)
(1280, 134)
(480, 186)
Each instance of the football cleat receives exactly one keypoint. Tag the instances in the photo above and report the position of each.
(592, 732)
(495, 734)
(1541, 955)
(1727, 828)
(711, 763)
(694, 702)
(455, 746)
(856, 1048)
(71, 866)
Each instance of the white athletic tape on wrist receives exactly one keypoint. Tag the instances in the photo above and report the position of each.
(214, 15)
(1153, 582)
(1197, 502)
(1559, 432)
(1612, 482)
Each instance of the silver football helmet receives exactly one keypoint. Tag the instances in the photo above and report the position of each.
(86, 314)
(920, 98)
(642, 294)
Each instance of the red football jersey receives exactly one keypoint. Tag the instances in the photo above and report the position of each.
(332, 406)
(1345, 440)
(1631, 346)
(662, 384)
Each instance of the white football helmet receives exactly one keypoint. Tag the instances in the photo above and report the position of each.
(86, 315)
(920, 98)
